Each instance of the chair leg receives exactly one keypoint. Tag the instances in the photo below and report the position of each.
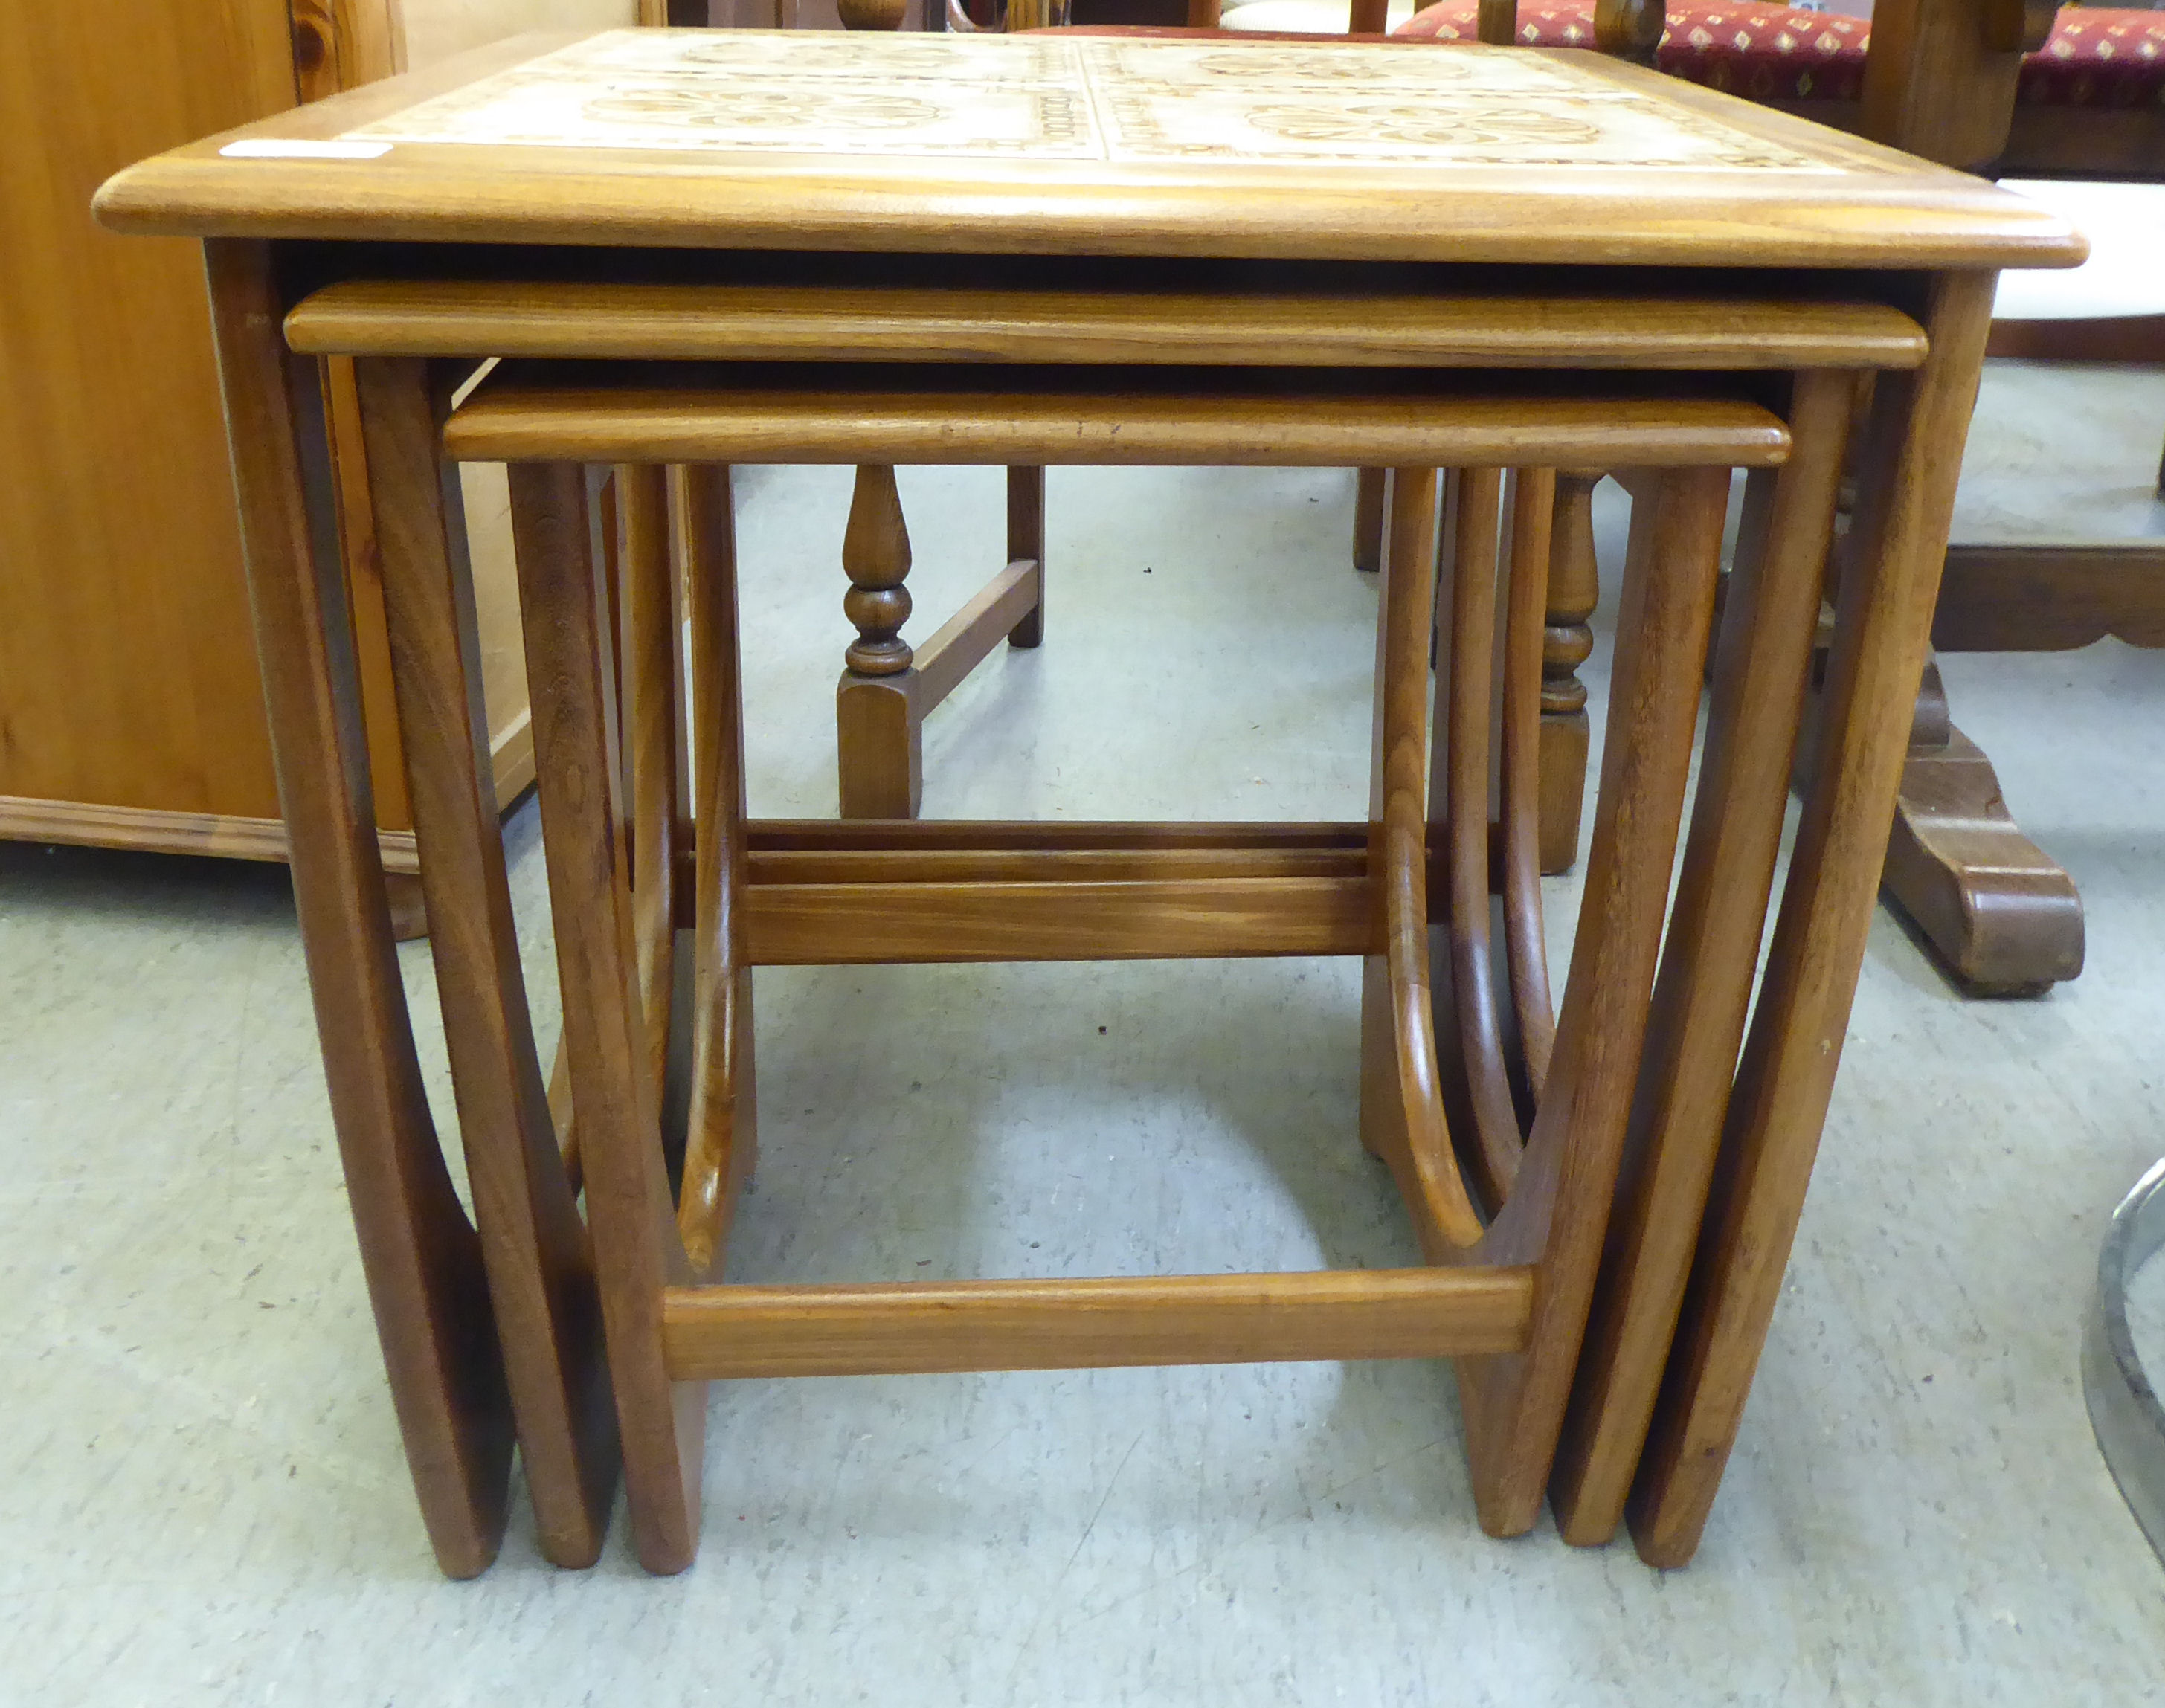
(878, 742)
(889, 687)
(1574, 588)
(2004, 919)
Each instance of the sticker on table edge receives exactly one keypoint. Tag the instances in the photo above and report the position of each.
(267, 148)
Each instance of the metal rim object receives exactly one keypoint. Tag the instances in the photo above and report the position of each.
(2123, 1406)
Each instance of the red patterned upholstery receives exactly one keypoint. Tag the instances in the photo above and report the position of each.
(1764, 52)
(2098, 58)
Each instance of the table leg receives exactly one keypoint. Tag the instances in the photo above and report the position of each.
(1557, 1207)
(1911, 458)
(1459, 787)
(539, 1261)
(1574, 588)
(421, 1257)
(1402, 1117)
(721, 1141)
(1712, 952)
(637, 1251)
(1532, 503)
(1558, 1212)
(647, 724)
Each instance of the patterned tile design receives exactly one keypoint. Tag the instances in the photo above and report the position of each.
(1123, 102)
(775, 90)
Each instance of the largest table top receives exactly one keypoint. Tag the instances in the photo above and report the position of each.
(1055, 144)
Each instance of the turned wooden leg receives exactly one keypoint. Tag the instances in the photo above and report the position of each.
(1369, 492)
(875, 715)
(1574, 586)
(2005, 920)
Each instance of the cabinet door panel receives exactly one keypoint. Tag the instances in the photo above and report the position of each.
(127, 671)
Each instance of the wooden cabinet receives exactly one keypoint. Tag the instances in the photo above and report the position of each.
(131, 713)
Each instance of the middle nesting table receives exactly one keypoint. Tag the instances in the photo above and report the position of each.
(1508, 1140)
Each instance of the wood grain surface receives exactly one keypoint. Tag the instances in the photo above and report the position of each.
(1038, 416)
(1094, 1323)
(539, 1262)
(1856, 205)
(1769, 621)
(420, 1255)
(1020, 321)
(1912, 459)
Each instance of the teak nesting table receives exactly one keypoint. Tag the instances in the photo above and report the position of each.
(694, 249)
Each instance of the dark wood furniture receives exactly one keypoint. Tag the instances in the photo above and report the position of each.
(2005, 915)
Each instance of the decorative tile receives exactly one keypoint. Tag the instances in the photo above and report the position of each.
(1264, 102)
(774, 92)
(1123, 102)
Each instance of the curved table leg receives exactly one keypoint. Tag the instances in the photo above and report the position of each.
(421, 1257)
(540, 1263)
(1557, 1215)
(1370, 501)
(649, 735)
(1574, 588)
(661, 1424)
(1532, 504)
(722, 1140)
(1466, 693)
(1912, 459)
(1402, 1118)
(1762, 662)
(1554, 1218)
